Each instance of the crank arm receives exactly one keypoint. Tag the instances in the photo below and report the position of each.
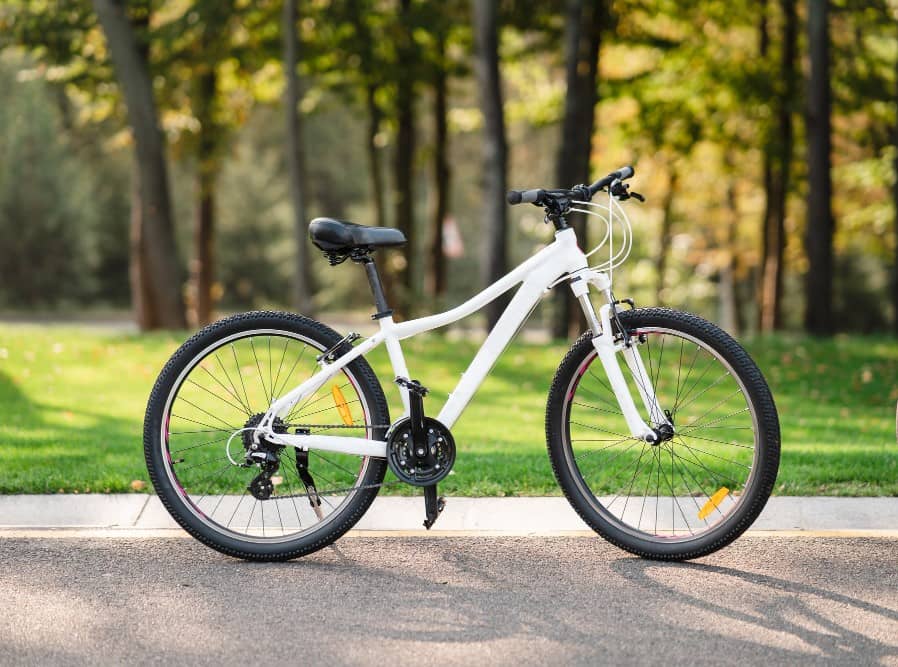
(433, 505)
(302, 469)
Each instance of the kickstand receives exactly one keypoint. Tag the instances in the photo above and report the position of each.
(432, 505)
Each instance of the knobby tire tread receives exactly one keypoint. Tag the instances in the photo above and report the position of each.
(294, 323)
(758, 393)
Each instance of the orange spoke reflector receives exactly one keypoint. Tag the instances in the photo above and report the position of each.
(713, 502)
(342, 407)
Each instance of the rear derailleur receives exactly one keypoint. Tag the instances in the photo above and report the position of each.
(267, 456)
(421, 450)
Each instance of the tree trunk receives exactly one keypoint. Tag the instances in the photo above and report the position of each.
(819, 238)
(441, 173)
(583, 34)
(375, 115)
(895, 213)
(767, 178)
(405, 153)
(665, 236)
(777, 168)
(160, 273)
(495, 151)
(303, 285)
(726, 286)
(141, 295)
(202, 268)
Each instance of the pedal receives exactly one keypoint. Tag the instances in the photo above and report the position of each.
(329, 355)
(433, 505)
(413, 386)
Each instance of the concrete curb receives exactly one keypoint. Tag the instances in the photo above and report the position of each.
(395, 514)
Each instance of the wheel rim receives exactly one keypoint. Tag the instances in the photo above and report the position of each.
(211, 401)
(687, 487)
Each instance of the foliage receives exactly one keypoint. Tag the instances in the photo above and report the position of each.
(45, 203)
(683, 88)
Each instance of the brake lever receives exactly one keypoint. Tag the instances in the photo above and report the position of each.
(622, 191)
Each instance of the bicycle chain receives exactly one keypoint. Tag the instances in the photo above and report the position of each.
(332, 491)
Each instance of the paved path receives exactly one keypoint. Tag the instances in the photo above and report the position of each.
(868, 516)
(448, 601)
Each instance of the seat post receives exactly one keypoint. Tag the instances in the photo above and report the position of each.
(380, 299)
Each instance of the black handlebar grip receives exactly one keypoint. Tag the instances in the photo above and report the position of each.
(524, 196)
(624, 172)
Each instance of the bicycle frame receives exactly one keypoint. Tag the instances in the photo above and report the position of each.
(536, 276)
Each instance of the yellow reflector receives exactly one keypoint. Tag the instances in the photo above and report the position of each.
(342, 407)
(713, 502)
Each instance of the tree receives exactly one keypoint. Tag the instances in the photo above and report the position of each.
(495, 151)
(442, 174)
(819, 234)
(583, 34)
(777, 169)
(155, 273)
(405, 149)
(296, 159)
(895, 205)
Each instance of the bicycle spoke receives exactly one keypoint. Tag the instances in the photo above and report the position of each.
(261, 379)
(233, 393)
(632, 480)
(601, 449)
(240, 376)
(292, 369)
(202, 444)
(212, 429)
(717, 421)
(277, 376)
(223, 400)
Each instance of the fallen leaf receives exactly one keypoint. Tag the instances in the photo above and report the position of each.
(138, 485)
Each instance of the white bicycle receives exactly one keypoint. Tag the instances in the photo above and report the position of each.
(267, 435)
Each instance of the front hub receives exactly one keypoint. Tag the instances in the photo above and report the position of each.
(664, 432)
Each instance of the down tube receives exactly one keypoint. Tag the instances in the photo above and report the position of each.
(518, 310)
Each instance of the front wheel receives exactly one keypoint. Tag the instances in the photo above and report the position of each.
(701, 485)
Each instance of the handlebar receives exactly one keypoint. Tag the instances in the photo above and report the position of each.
(540, 196)
(525, 196)
(621, 174)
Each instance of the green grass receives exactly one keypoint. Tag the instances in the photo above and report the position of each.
(72, 403)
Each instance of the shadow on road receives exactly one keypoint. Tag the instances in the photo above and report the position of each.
(398, 601)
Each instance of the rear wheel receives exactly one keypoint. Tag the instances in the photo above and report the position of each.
(702, 484)
(199, 426)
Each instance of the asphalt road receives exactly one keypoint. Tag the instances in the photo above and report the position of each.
(444, 601)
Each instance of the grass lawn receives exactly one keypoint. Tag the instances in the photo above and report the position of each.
(72, 402)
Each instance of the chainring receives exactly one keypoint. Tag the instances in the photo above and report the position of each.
(406, 466)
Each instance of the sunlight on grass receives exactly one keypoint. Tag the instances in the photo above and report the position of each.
(72, 403)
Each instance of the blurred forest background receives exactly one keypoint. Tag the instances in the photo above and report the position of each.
(165, 156)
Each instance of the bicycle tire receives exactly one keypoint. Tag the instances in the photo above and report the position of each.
(589, 490)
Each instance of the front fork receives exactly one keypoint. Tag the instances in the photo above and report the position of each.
(607, 348)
